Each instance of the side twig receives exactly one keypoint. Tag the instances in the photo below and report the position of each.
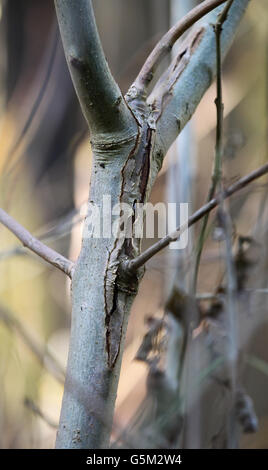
(27, 239)
(165, 45)
(140, 260)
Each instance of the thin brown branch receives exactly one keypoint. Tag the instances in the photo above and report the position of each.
(27, 239)
(165, 45)
(231, 351)
(140, 260)
(217, 169)
(219, 104)
(49, 233)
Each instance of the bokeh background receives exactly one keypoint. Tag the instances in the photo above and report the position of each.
(45, 161)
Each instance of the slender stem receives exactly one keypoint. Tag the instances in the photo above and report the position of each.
(27, 239)
(217, 169)
(226, 223)
(166, 43)
(199, 214)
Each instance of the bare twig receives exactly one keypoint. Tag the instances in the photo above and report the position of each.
(226, 223)
(217, 170)
(49, 233)
(45, 252)
(166, 43)
(199, 214)
(223, 211)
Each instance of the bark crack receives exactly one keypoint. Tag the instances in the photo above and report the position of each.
(176, 69)
(119, 286)
(114, 314)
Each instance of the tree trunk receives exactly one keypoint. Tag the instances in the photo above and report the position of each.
(129, 139)
(99, 321)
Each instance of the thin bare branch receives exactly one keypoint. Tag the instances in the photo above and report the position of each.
(27, 239)
(217, 170)
(164, 242)
(165, 45)
(231, 350)
(53, 231)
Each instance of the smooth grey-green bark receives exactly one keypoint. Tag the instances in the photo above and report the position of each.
(100, 97)
(129, 140)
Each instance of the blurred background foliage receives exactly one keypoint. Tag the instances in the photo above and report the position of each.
(45, 162)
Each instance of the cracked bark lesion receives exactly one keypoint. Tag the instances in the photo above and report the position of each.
(164, 89)
(142, 166)
(118, 282)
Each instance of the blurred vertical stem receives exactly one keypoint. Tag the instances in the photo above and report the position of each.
(216, 174)
(180, 190)
(180, 171)
(226, 223)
